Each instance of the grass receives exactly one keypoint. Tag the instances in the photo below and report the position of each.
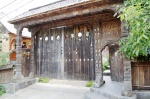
(2, 90)
(89, 84)
(44, 80)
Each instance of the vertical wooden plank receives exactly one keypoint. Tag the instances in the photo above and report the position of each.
(62, 53)
(146, 75)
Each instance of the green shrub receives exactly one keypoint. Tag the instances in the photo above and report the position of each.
(44, 80)
(89, 84)
(2, 90)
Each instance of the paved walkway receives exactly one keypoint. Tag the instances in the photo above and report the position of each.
(55, 89)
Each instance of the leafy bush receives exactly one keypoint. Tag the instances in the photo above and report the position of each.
(44, 80)
(105, 65)
(89, 84)
(2, 90)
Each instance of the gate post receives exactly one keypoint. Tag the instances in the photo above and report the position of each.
(18, 70)
(127, 88)
(32, 62)
(98, 55)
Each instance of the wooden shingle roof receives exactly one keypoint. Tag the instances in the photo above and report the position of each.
(49, 7)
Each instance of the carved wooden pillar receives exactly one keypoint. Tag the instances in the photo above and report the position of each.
(32, 64)
(127, 88)
(98, 55)
(18, 74)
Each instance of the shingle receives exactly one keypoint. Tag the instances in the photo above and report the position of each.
(52, 6)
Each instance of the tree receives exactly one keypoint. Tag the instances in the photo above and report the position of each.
(136, 14)
(3, 55)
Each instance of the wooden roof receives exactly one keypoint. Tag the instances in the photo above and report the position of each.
(51, 6)
(57, 10)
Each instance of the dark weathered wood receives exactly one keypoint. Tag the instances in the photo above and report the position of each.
(77, 52)
(116, 64)
(49, 53)
(26, 58)
(111, 32)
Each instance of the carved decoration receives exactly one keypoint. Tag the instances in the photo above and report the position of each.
(111, 29)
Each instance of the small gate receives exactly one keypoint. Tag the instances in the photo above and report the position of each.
(141, 75)
(78, 52)
(116, 64)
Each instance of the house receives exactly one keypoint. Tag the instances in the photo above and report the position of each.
(67, 40)
(8, 31)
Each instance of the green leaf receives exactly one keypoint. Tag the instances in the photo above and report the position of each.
(145, 36)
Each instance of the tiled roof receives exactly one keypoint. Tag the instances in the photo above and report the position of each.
(52, 6)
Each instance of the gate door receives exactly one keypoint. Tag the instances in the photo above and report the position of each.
(48, 53)
(78, 52)
(116, 62)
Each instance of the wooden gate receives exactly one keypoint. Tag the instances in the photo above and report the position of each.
(48, 53)
(141, 75)
(78, 52)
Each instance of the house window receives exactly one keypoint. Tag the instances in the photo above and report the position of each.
(24, 45)
(0, 45)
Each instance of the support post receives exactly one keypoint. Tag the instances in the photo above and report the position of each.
(18, 70)
(98, 55)
(32, 64)
(127, 88)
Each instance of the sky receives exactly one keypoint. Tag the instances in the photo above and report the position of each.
(12, 8)
(19, 6)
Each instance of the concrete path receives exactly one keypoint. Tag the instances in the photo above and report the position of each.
(55, 89)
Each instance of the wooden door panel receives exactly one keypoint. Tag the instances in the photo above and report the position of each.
(78, 52)
(49, 53)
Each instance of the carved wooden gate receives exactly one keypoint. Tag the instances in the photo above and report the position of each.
(48, 53)
(78, 52)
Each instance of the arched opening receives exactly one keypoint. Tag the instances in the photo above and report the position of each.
(112, 63)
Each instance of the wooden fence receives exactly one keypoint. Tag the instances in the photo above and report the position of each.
(6, 74)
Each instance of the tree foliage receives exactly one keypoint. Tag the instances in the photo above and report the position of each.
(136, 14)
(3, 55)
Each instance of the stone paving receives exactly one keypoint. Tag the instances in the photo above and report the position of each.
(55, 89)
